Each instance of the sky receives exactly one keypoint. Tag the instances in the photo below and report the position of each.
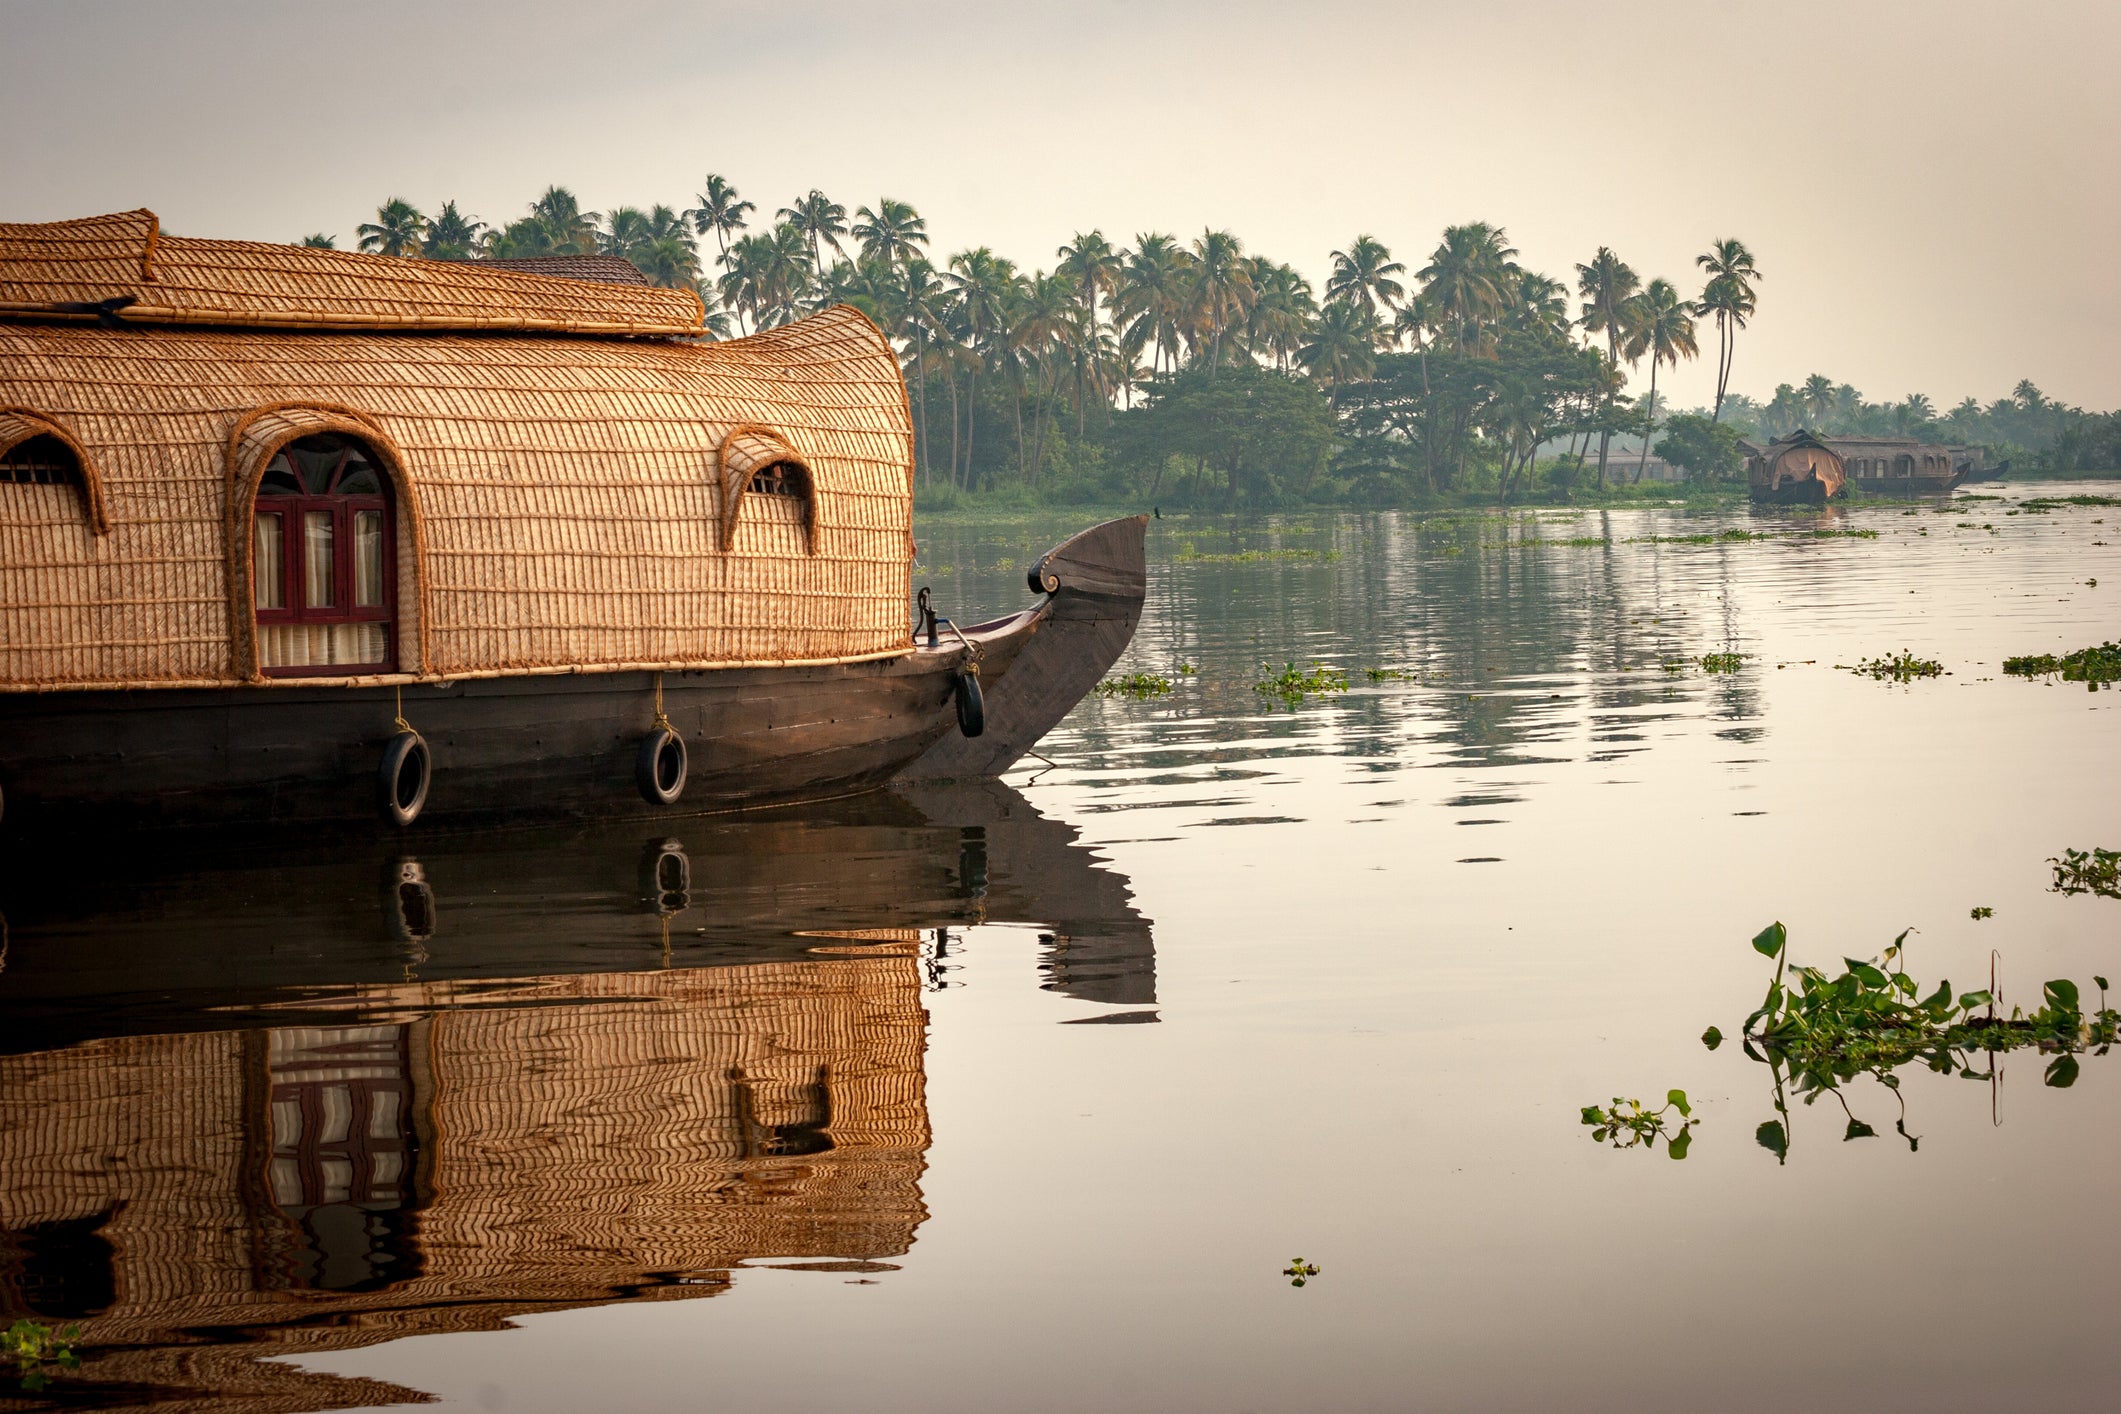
(1929, 188)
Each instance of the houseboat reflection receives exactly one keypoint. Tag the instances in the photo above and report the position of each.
(525, 1074)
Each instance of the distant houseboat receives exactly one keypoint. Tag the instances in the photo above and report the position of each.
(1902, 466)
(1797, 470)
(297, 535)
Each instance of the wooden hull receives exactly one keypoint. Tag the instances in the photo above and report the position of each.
(542, 747)
(1795, 493)
(194, 936)
(1909, 485)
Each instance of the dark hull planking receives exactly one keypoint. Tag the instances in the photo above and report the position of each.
(564, 746)
(1909, 485)
(1796, 493)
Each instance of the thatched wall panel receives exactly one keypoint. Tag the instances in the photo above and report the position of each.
(565, 498)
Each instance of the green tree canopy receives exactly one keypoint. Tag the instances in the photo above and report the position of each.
(1264, 432)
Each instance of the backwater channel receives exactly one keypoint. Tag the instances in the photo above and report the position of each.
(1022, 1096)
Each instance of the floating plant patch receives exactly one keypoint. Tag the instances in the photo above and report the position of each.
(1896, 667)
(1135, 685)
(1290, 687)
(2095, 667)
(1629, 1124)
(2096, 871)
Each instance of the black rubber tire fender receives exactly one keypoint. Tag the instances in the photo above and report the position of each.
(407, 773)
(971, 702)
(660, 767)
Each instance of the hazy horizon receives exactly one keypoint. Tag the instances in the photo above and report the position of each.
(1892, 167)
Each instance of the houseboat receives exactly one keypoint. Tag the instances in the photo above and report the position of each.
(293, 535)
(1797, 470)
(1902, 466)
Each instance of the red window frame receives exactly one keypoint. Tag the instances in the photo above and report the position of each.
(294, 548)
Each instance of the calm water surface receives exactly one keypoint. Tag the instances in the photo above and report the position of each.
(1021, 1097)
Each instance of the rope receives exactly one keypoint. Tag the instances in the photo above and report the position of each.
(973, 651)
(662, 722)
(399, 721)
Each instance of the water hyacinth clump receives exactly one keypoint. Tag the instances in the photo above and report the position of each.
(1630, 1124)
(1290, 687)
(1903, 666)
(2095, 871)
(1816, 1032)
(35, 1350)
(1135, 685)
(1188, 555)
(2096, 667)
(1873, 1014)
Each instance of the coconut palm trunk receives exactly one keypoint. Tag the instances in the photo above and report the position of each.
(1643, 461)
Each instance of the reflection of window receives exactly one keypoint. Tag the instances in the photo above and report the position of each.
(321, 550)
(40, 461)
(784, 1120)
(343, 1153)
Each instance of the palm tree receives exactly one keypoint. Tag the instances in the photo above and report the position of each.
(1149, 297)
(1094, 267)
(714, 315)
(1221, 290)
(451, 235)
(319, 241)
(670, 260)
(892, 234)
(396, 230)
(1469, 278)
(766, 276)
(1281, 313)
(625, 231)
(1541, 307)
(568, 229)
(820, 218)
(1606, 284)
(1340, 346)
(1660, 324)
(921, 298)
(1816, 397)
(719, 211)
(981, 283)
(1363, 275)
(1729, 296)
(1043, 324)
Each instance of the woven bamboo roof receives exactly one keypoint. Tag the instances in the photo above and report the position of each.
(124, 264)
(597, 269)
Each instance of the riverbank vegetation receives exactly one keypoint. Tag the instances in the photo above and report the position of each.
(1196, 372)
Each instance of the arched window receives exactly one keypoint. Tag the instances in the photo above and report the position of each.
(781, 479)
(767, 484)
(322, 557)
(40, 461)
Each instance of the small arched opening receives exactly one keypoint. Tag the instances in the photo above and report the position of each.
(37, 453)
(323, 560)
(766, 482)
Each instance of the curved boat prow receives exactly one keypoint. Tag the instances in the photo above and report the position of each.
(1094, 585)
